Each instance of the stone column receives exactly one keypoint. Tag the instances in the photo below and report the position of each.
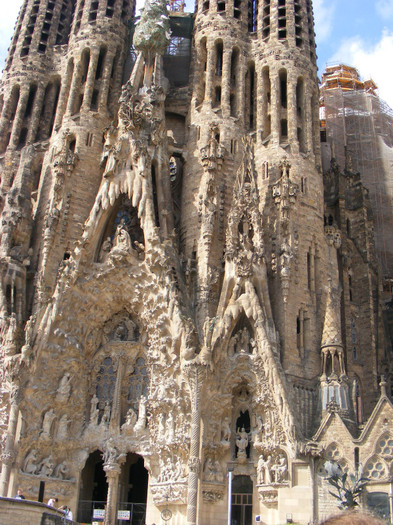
(90, 80)
(63, 97)
(75, 87)
(275, 104)
(194, 462)
(8, 454)
(210, 67)
(112, 472)
(105, 81)
(19, 116)
(292, 114)
(35, 117)
(226, 81)
(241, 89)
(308, 119)
(116, 403)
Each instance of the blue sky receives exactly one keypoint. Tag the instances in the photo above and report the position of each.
(356, 32)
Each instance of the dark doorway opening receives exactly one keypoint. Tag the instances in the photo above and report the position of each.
(93, 488)
(241, 511)
(134, 480)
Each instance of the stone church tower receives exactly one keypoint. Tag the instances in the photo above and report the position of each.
(190, 315)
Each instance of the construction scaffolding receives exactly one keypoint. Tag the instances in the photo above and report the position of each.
(358, 125)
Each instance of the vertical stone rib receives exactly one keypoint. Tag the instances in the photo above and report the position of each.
(35, 117)
(75, 87)
(275, 103)
(226, 81)
(105, 81)
(292, 114)
(90, 81)
(64, 93)
(210, 70)
(19, 117)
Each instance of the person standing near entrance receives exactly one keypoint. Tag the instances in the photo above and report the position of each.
(19, 495)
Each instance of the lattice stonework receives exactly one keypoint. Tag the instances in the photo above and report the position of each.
(375, 469)
(385, 446)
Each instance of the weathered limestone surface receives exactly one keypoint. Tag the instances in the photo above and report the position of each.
(183, 293)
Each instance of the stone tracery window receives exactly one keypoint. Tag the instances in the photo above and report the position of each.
(138, 382)
(106, 379)
(385, 446)
(375, 468)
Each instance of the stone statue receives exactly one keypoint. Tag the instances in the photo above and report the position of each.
(30, 463)
(210, 472)
(131, 419)
(280, 468)
(62, 430)
(105, 249)
(122, 240)
(264, 470)
(94, 411)
(106, 416)
(226, 430)
(242, 441)
(64, 388)
(47, 423)
(141, 423)
(46, 466)
(110, 454)
(161, 426)
(170, 427)
(62, 471)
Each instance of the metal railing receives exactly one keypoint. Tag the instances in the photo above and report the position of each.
(137, 512)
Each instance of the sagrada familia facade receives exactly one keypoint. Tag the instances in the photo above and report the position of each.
(191, 311)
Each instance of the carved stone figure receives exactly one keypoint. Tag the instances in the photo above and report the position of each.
(62, 429)
(226, 430)
(64, 388)
(30, 463)
(106, 416)
(61, 471)
(242, 441)
(131, 419)
(264, 470)
(94, 410)
(46, 466)
(170, 427)
(141, 423)
(47, 423)
(111, 453)
(122, 241)
(280, 468)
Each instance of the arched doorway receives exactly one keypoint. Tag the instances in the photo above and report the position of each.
(93, 488)
(241, 511)
(133, 484)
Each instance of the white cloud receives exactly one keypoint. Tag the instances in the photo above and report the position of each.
(372, 62)
(323, 17)
(385, 8)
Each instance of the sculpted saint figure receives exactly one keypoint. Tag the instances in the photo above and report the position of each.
(242, 442)
(64, 388)
(94, 411)
(106, 416)
(30, 462)
(47, 422)
(46, 466)
(225, 430)
(110, 454)
(264, 470)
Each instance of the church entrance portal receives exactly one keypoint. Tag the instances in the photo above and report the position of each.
(133, 482)
(241, 512)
